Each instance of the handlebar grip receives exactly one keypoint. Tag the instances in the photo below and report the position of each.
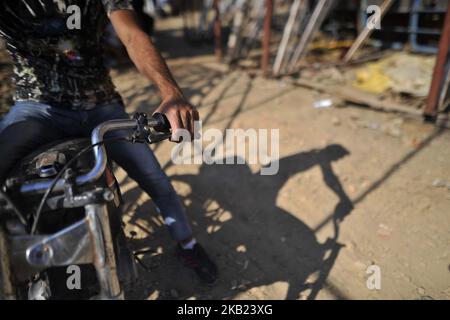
(163, 125)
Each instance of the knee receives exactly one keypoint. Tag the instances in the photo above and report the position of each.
(156, 183)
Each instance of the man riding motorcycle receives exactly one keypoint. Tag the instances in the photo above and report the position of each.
(63, 90)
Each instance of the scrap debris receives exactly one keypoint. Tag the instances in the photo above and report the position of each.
(402, 73)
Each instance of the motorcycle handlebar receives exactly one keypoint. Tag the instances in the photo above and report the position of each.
(158, 122)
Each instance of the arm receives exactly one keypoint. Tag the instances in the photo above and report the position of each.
(180, 113)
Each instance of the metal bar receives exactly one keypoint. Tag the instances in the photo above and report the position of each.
(431, 107)
(32, 254)
(204, 25)
(218, 31)
(239, 22)
(445, 88)
(293, 15)
(299, 27)
(367, 32)
(321, 10)
(414, 23)
(104, 257)
(254, 28)
(266, 37)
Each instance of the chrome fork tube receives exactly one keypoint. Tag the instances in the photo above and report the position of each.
(103, 250)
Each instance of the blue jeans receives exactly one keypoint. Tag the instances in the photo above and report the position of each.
(29, 125)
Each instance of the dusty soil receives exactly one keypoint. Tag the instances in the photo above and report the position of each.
(355, 188)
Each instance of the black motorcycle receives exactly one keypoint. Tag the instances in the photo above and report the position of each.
(60, 213)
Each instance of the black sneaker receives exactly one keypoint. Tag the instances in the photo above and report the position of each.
(197, 259)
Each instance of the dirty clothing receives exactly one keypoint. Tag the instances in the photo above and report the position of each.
(56, 47)
(63, 90)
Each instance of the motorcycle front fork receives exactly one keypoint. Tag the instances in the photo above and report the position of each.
(103, 252)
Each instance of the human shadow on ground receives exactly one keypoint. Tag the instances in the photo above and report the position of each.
(255, 242)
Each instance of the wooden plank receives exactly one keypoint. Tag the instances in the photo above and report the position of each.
(293, 14)
(354, 95)
(367, 32)
(239, 22)
(319, 14)
(443, 121)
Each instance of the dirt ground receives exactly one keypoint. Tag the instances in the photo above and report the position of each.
(355, 188)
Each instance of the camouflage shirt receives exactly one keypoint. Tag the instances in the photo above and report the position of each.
(56, 46)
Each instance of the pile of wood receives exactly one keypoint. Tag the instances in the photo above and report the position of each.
(284, 32)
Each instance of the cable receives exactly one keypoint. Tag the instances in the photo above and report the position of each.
(11, 205)
(61, 172)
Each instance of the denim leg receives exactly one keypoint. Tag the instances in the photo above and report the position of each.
(142, 166)
(23, 130)
(67, 121)
(23, 111)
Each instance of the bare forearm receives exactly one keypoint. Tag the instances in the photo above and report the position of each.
(180, 113)
(144, 54)
(152, 65)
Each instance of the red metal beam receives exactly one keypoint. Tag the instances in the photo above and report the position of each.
(266, 37)
(431, 108)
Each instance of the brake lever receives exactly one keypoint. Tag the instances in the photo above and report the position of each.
(144, 134)
(142, 131)
(158, 137)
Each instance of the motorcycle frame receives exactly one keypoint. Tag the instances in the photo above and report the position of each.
(88, 241)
